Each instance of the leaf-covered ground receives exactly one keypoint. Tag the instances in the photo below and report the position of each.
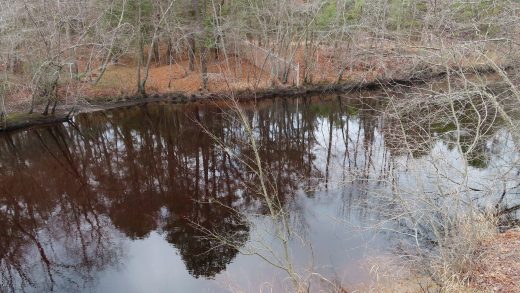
(499, 269)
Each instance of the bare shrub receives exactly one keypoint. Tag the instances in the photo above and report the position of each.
(441, 201)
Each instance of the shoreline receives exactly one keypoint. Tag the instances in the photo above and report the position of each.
(25, 121)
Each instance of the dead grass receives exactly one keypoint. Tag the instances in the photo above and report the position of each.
(497, 269)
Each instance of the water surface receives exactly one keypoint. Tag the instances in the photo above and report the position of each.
(122, 200)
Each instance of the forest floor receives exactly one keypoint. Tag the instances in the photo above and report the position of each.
(499, 268)
(384, 61)
(118, 85)
(224, 75)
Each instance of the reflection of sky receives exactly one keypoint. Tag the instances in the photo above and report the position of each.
(445, 167)
(151, 265)
(332, 218)
(338, 243)
(154, 265)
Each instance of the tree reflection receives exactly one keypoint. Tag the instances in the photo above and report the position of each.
(52, 224)
(206, 256)
(66, 190)
(138, 170)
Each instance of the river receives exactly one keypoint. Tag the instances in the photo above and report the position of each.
(161, 197)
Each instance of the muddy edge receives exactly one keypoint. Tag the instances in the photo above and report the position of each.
(63, 115)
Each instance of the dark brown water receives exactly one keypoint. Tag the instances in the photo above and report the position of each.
(119, 202)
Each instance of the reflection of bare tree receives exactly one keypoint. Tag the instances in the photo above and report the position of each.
(53, 231)
(127, 169)
(63, 190)
(205, 256)
(417, 119)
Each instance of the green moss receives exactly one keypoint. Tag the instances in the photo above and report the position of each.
(209, 26)
(321, 110)
(355, 11)
(478, 162)
(479, 12)
(442, 127)
(327, 15)
(351, 110)
(405, 14)
(132, 9)
(21, 118)
(16, 117)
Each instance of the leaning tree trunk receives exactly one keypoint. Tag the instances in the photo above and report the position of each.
(153, 44)
(74, 60)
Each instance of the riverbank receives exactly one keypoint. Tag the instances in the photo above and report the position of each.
(499, 267)
(135, 133)
(19, 120)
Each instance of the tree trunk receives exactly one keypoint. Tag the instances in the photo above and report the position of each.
(3, 114)
(14, 65)
(140, 84)
(156, 52)
(204, 49)
(140, 48)
(74, 61)
(191, 52)
(169, 51)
